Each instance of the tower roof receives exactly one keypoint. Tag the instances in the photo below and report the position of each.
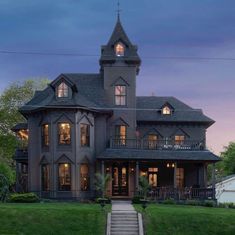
(119, 35)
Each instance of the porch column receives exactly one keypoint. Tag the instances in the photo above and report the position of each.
(213, 180)
(102, 168)
(137, 176)
(175, 167)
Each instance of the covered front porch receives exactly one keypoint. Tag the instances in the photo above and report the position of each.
(178, 177)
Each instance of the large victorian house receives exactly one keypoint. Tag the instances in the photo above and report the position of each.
(82, 124)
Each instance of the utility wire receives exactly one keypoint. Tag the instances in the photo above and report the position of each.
(96, 55)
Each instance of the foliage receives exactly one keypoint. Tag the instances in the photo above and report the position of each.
(169, 201)
(228, 156)
(136, 199)
(101, 183)
(52, 218)
(144, 186)
(181, 220)
(7, 172)
(17, 94)
(24, 197)
(4, 188)
(227, 205)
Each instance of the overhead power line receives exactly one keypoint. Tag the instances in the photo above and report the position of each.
(96, 55)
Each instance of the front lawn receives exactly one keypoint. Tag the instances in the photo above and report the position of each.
(188, 220)
(52, 218)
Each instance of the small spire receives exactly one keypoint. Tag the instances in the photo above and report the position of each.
(118, 10)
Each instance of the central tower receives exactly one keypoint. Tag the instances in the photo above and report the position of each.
(119, 65)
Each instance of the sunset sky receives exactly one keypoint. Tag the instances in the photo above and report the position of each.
(166, 31)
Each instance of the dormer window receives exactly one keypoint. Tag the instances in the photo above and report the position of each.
(119, 49)
(166, 110)
(62, 90)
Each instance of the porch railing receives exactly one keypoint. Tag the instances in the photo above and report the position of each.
(157, 145)
(163, 193)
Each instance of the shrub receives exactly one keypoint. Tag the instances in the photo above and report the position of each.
(193, 202)
(24, 197)
(169, 201)
(208, 203)
(227, 205)
(136, 199)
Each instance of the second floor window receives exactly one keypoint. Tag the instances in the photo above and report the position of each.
(152, 141)
(64, 133)
(64, 177)
(45, 135)
(62, 90)
(179, 139)
(85, 135)
(120, 135)
(120, 95)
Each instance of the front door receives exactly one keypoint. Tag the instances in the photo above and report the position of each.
(120, 179)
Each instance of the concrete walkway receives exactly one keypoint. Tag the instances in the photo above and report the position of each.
(124, 220)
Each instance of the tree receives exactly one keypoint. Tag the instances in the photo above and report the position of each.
(144, 186)
(101, 183)
(228, 157)
(16, 95)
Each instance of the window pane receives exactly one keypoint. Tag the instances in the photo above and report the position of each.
(120, 95)
(64, 177)
(45, 135)
(62, 90)
(119, 49)
(45, 177)
(180, 177)
(85, 177)
(166, 110)
(64, 133)
(85, 135)
(179, 139)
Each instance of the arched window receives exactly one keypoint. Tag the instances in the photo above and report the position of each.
(45, 177)
(64, 132)
(166, 110)
(85, 179)
(62, 90)
(119, 49)
(64, 177)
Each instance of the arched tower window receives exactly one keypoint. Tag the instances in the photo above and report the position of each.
(119, 49)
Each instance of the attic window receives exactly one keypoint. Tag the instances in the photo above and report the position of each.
(119, 49)
(62, 90)
(166, 111)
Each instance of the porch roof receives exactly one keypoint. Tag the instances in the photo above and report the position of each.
(140, 154)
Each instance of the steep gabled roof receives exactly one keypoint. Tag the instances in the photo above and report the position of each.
(90, 94)
(149, 109)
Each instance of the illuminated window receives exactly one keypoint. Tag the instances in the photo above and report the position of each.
(179, 139)
(120, 95)
(64, 177)
(45, 135)
(120, 135)
(64, 133)
(152, 141)
(62, 90)
(180, 177)
(119, 49)
(166, 110)
(85, 135)
(45, 177)
(85, 177)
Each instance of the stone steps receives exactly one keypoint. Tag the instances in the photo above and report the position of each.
(124, 223)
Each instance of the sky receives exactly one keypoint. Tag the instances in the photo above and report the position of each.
(160, 28)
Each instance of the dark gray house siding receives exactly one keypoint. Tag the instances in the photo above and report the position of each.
(100, 105)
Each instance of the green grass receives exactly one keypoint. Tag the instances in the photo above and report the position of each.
(188, 220)
(52, 218)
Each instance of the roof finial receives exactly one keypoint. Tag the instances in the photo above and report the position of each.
(118, 10)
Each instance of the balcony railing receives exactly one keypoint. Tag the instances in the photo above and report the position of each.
(157, 145)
